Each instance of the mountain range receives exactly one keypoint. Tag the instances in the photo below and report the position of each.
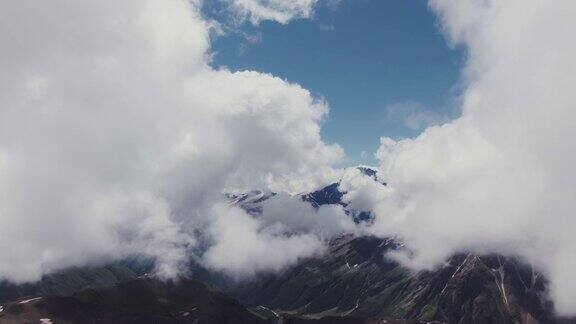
(353, 282)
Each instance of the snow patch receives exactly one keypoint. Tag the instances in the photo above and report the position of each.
(26, 301)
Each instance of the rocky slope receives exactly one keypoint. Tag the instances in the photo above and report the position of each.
(71, 280)
(354, 279)
(135, 301)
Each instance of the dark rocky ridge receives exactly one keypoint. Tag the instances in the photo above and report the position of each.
(72, 280)
(135, 301)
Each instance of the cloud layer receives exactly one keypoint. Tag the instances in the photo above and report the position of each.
(501, 177)
(118, 138)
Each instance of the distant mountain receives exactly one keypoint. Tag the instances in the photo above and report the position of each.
(328, 195)
(332, 194)
(251, 201)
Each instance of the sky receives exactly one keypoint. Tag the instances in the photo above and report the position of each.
(378, 64)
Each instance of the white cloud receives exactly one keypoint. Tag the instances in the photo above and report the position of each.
(361, 191)
(282, 11)
(288, 230)
(297, 215)
(500, 178)
(243, 246)
(117, 137)
(413, 115)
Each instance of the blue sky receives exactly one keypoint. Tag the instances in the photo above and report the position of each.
(382, 65)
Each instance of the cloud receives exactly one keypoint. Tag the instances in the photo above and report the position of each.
(243, 247)
(117, 137)
(300, 216)
(288, 230)
(501, 177)
(362, 192)
(281, 11)
(413, 116)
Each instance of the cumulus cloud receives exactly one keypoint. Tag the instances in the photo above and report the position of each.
(362, 192)
(118, 138)
(501, 177)
(297, 215)
(288, 230)
(243, 246)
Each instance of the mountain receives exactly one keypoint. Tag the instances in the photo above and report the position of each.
(327, 195)
(250, 201)
(331, 194)
(141, 300)
(354, 279)
(69, 281)
(352, 283)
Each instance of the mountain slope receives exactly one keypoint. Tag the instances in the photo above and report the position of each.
(135, 301)
(355, 279)
(68, 281)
